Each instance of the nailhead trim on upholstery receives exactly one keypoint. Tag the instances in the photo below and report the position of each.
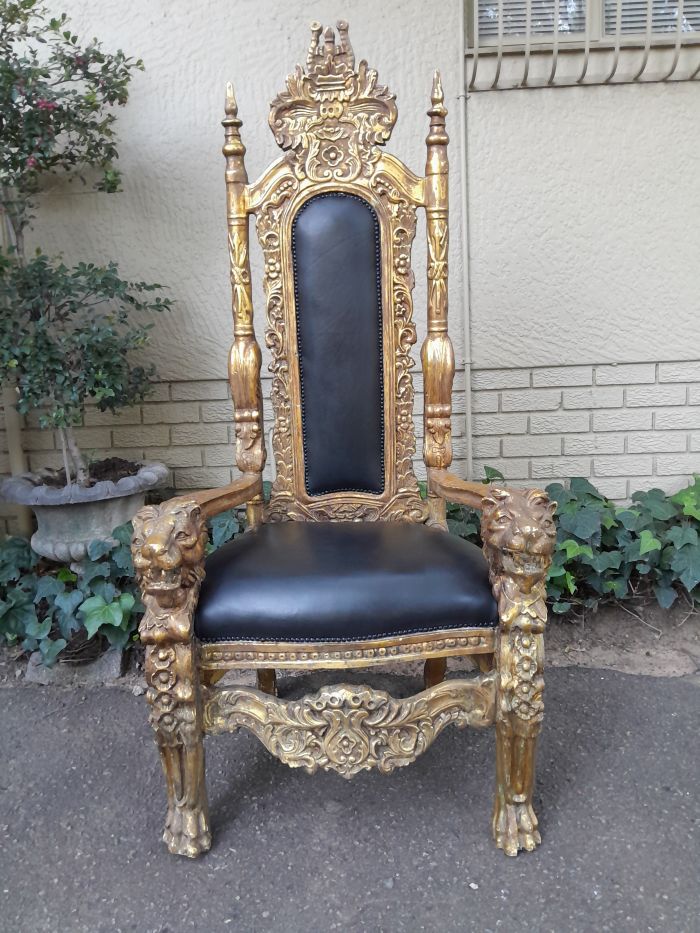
(340, 641)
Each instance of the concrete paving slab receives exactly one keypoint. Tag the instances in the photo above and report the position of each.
(81, 808)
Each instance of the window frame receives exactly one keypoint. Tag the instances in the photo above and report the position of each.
(594, 37)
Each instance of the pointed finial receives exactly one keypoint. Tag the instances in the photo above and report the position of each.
(316, 29)
(437, 96)
(437, 113)
(345, 47)
(232, 126)
(231, 106)
(329, 41)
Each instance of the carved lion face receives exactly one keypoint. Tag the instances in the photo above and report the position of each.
(168, 547)
(518, 525)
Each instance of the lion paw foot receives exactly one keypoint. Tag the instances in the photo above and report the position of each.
(515, 827)
(187, 831)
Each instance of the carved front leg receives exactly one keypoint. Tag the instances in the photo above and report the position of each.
(519, 535)
(518, 721)
(168, 548)
(176, 717)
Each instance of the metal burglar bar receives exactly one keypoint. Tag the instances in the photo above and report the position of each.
(562, 43)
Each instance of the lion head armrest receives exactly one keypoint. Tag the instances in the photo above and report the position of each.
(169, 547)
(519, 534)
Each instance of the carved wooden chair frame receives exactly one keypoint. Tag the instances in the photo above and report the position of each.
(169, 542)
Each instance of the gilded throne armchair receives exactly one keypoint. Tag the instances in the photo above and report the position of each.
(346, 566)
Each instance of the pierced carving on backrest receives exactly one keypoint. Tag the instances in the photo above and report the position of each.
(269, 219)
(331, 120)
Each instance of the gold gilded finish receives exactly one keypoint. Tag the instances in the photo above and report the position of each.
(168, 550)
(245, 358)
(347, 654)
(437, 354)
(518, 531)
(349, 729)
(332, 121)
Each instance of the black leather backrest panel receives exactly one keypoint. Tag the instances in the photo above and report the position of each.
(337, 283)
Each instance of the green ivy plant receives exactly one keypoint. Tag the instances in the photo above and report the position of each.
(43, 606)
(606, 551)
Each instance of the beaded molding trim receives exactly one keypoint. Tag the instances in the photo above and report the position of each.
(349, 654)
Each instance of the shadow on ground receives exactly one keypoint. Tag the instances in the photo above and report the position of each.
(81, 807)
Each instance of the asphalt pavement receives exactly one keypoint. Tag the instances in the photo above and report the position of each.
(82, 801)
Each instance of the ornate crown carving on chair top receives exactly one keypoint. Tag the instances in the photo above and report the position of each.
(332, 117)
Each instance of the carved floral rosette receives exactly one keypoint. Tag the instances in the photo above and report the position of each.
(172, 695)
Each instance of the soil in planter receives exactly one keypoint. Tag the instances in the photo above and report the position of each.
(112, 468)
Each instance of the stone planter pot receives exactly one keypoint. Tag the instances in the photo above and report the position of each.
(70, 517)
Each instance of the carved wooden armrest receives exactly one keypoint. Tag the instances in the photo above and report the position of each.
(454, 489)
(169, 547)
(518, 531)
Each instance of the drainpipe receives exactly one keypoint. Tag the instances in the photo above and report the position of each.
(18, 461)
(464, 237)
(13, 429)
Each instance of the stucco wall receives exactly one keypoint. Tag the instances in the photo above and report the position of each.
(583, 243)
(169, 223)
(584, 233)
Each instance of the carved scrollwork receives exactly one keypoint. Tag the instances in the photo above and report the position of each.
(268, 227)
(349, 729)
(332, 117)
(240, 279)
(519, 534)
(438, 241)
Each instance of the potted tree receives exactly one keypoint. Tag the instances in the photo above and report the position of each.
(67, 333)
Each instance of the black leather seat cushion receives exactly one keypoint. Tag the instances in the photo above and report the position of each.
(341, 581)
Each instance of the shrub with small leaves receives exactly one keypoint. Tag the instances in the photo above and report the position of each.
(65, 332)
(56, 106)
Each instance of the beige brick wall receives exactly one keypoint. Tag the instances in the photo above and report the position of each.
(626, 427)
(188, 426)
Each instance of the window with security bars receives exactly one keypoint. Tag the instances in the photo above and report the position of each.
(513, 21)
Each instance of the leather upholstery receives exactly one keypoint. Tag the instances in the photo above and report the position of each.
(335, 581)
(337, 284)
